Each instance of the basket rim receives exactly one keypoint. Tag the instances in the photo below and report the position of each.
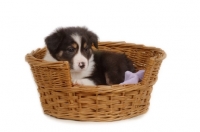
(40, 62)
(139, 46)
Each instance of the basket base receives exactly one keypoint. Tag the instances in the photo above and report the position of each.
(100, 117)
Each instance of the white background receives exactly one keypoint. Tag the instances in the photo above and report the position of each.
(173, 25)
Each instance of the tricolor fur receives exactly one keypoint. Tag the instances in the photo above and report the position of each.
(88, 67)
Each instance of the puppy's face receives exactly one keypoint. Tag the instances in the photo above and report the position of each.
(72, 45)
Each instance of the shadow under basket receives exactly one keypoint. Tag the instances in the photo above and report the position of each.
(96, 103)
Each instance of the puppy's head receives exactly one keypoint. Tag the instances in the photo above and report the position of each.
(72, 44)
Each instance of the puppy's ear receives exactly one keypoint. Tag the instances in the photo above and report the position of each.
(93, 38)
(53, 40)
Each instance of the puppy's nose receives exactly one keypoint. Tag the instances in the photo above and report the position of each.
(81, 65)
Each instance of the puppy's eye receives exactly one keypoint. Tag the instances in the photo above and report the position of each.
(71, 50)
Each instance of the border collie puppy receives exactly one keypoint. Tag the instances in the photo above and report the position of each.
(87, 66)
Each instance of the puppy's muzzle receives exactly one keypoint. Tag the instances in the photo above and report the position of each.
(81, 65)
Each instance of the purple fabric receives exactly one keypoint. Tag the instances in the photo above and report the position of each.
(133, 78)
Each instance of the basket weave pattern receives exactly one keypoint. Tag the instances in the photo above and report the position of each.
(96, 103)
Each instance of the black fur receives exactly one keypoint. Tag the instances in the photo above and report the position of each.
(110, 64)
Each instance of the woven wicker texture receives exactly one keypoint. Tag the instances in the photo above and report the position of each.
(96, 103)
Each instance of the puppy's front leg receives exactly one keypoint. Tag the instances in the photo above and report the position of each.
(84, 82)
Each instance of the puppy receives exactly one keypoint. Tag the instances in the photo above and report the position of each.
(87, 66)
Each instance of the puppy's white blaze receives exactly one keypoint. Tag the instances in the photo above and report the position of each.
(78, 58)
(77, 39)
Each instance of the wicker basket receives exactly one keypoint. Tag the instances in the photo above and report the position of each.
(95, 103)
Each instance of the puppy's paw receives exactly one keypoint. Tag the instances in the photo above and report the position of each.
(78, 82)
